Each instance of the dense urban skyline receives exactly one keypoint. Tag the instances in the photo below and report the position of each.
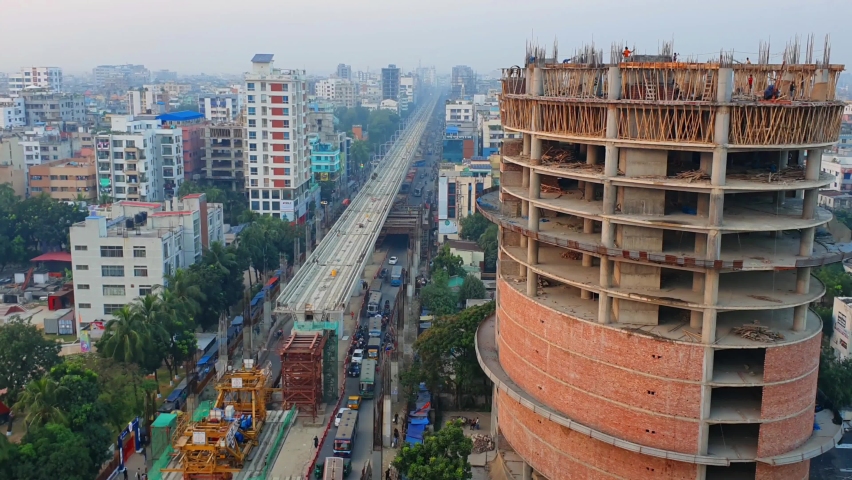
(357, 33)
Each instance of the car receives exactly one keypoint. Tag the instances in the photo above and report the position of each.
(339, 416)
(354, 369)
(358, 355)
(392, 260)
(353, 402)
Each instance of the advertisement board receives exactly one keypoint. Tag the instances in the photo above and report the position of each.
(286, 205)
(442, 198)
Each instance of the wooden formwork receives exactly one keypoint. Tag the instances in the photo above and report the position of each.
(580, 119)
(514, 81)
(575, 81)
(785, 124)
(301, 371)
(670, 123)
(812, 82)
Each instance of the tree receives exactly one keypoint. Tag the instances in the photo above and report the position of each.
(448, 349)
(471, 288)
(438, 297)
(25, 355)
(473, 226)
(835, 378)
(446, 261)
(115, 387)
(54, 451)
(233, 203)
(360, 152)
(837, 282)
(41, 403)
(488, 243)
(441, 456)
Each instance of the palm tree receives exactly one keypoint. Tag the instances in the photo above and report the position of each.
(185, 290)
(40, 401)
(125, 336)
(150, 311)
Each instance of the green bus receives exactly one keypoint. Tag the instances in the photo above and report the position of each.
(344, 439)
(367, 382)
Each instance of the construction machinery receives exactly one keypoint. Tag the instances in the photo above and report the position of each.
(216, 446)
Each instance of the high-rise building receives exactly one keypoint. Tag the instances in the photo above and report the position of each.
(279, 162)
(340, 92)
(121, 77)
(223, 156)
(49, 78)
(653, 285)
(222, 108)
(191, 125)
(344, 71)
(390, 83)
(43, 106)
(12, 113)
(463, 82)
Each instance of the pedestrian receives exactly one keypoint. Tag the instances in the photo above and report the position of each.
(476, 423)
(138, 474)
(316, 442)
(125, 473)
(145, 454)
(387, 474)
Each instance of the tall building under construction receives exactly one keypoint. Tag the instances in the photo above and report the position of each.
(657, 235)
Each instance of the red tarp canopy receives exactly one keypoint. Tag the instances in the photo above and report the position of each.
(53, 257)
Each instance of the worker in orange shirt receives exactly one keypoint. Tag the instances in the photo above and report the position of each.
(626, 53)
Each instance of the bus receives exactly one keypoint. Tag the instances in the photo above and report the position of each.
(367, 382)
(418, 191)
(374, 304)
(396, 276)
(344, 439)
(375, 326)
(374, 346)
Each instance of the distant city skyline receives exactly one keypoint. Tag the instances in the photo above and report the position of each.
(316, 36)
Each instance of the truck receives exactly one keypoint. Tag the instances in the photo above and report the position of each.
(396, 276)
(376, 285)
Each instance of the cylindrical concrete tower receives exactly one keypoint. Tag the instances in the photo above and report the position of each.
(657, 228)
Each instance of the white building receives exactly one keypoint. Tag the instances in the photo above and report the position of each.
(278, 171)
(407, 91)
(124, 251)
(12, 113)
(490, 131)
(338, 91)
(391, 105)
(139, 160)
(458, 187)
(42, 77)
(147, 100)
(841, 168)
(45, 144)
(842, 315)
(223, 108)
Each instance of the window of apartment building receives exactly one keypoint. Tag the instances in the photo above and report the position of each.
(117, 143)
(118, 155)
(250, 86)
(112, 270)
(112, 251)
(119, 189)
(109, 308)
(285, 99)
(265, 194)
(145, 290)
(85, 305)
(287, 183)
(130, 143)
(81, 248)
(255, 194)
(286, 135)
(139, 252)
(81, 267)
(140, 271)
(252, 111)
(253, 171)
(286, 158)
(119, 178)
(251, 99)
(263, 99)
(167, 149)
(255, 205)
(286, 171)
(82, 286)
(114, 290)
(252, 135)
(264, 123)
(252, 123)
(276, 195)
(253, 182)
(252, 158)
(252, 147)
(276, 205)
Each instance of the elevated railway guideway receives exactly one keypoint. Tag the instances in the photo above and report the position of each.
(318, 294)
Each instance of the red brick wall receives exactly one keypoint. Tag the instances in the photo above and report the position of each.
(791, 361)
(669, 397)
(615, 419)
(560, 454)
(785, 399)
(784, 435)
(624, 349)
(796, 471)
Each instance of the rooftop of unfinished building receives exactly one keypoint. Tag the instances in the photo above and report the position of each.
(846, 300)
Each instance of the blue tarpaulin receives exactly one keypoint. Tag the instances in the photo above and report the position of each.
(415, 433)
(203, 361)
(238, 320)
(419, 421)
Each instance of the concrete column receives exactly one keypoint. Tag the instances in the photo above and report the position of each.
(607, 233)
(806, 244)
(532, 283)
(803, 280)
(609, 198)
(535, 150)
(535, 185)
(534, 219)
(527, 141)
(532, 251)
(527, 472)
(589, 192)
(809, 204)
(588, 227)
(711, 299)
(800, 318)
(814, 163)
(613, 81)
(525, 208)
(717, 206)
(592, 154)
(585, 294)
(783, 158)
(605, 279)
(604, 309)
(525, 178)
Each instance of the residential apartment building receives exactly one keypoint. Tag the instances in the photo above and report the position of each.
(13, 168)
(223, 156)
(224, 108)
(45, 144)
(408, 85)
(325, 160)
(463, 82)
(42, 106)
(279, 169)
(344, 71)
(338, 91)
(12, 113)
(139, 160)
(117, 75)
(427, 76)
(841, 168)
(842, 316)
(390, 83)
(147, 100)
(458, 187)
(192, 126)
(49, 78)
(125, 250)
(459, 142)
(67, 179)
(490, 132)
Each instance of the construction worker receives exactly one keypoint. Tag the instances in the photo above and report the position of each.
(771, 93)
(750, 83)
(748, 62)
(626, 53)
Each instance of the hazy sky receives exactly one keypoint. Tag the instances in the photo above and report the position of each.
(220, 36)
